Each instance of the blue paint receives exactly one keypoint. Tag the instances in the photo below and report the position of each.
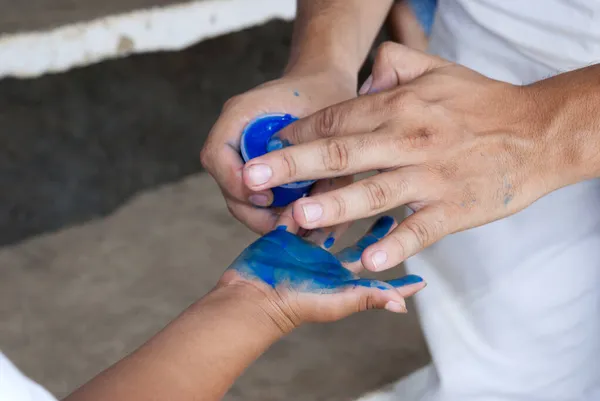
(276, 143)
(329, 242)
(281, 227)
(424, 11)
(379, 230)
(296, 93)
(406, 280)
(255, 142)
(281, 258)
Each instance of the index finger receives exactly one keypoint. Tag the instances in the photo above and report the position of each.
(358, 115)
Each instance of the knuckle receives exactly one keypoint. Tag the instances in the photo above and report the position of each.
(370, 302)
(397, 244)
(206, 158)
(339, 207)
(326, 123)
(289, 164)
(366, 302)
(378, 194)
(403, 99)
(386, 48)
(232, 102)
(422, 231)
(335, 155)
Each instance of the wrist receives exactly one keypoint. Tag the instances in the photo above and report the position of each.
(322, 65)
(565, 104)
(261, 310)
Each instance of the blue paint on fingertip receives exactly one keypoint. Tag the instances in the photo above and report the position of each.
(282, 227)
(329, 242)
(382, 226)
(380, 229)
(296, 93)
(406, 280)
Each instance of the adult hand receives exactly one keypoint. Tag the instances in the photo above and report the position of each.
(459, 149)
(305, 283)
(296, 93)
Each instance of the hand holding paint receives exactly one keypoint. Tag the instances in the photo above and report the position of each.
(299, 93)
(309, 284)
(256, 141)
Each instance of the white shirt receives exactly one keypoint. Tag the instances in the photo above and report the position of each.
(512, 309)
(14, 386)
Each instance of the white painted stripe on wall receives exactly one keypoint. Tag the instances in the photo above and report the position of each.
(175, 27)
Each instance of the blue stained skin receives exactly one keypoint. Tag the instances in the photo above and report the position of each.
(379, 230)
(284, 259)
(296, 93)
(329, 242)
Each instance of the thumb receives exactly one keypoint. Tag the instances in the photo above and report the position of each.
(396, 64)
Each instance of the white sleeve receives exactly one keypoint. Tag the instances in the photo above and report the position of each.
(14, 386)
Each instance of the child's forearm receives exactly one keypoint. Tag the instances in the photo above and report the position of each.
(198, 355)
(335, 34)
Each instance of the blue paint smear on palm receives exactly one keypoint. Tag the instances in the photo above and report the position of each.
(282, 258)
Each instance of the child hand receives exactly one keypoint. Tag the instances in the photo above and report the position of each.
(305, 283)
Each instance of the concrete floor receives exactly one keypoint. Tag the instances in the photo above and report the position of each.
(109, 227)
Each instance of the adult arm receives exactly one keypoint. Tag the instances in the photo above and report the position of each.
(460, 149)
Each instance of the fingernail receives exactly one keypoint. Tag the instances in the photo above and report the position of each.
(312, 212)
(259, 174)
(379, 258)
(261, 200)
(395, 307)
(366, 86)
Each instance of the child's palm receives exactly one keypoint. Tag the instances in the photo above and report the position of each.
(311, 282)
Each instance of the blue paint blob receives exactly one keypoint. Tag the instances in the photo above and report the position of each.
(379, 230)
(329, 242)
(255, 142)
(296, 93)
(276, 143)
(281, 258)
(281, 227)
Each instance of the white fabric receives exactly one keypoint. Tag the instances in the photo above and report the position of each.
(14, 386)
(512, 309)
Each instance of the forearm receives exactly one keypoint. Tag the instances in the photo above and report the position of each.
(197, 356)
(335, 34)
(567, 106)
